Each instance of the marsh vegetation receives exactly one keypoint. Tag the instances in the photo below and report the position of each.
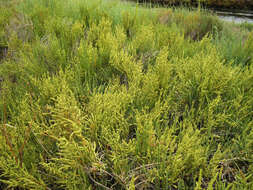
(231, 4)
(110, 95)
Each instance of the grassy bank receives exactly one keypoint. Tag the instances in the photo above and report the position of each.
(236, 4)
(109, 95)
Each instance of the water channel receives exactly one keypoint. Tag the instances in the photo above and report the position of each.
(235, 16)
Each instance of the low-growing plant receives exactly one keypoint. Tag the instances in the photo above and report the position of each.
(107, 95)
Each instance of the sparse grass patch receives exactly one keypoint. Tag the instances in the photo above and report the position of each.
(195, 24)
(234, 44)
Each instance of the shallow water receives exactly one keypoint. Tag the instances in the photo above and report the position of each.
(236, 17)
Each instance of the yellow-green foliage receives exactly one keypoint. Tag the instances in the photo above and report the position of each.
(106, 95)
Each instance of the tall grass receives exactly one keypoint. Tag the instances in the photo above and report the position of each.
(210, 3)
(107, 95)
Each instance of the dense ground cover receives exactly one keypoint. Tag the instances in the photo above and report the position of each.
(108, 95)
